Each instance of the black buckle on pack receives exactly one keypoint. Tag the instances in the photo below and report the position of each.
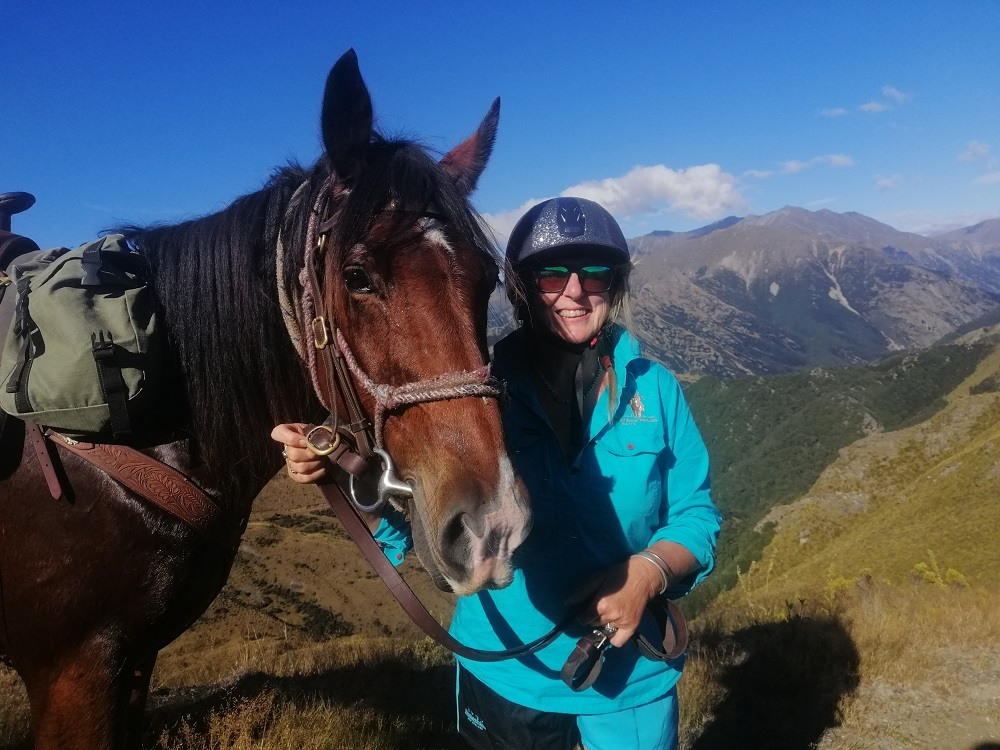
(103, 349)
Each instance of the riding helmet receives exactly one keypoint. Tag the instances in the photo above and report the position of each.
(575, 223)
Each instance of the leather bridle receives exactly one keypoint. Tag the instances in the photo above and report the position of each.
(331, 365)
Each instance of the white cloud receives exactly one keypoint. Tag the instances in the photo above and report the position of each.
(890, 182)
(701, 192)
(993, 178)
(890, 95)
(830, 160)
(837, 160)
(890, 92)
(974, 151)
(758, 174)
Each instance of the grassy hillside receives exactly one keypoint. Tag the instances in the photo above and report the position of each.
(921, 502)
(770, 438)
(874, 611)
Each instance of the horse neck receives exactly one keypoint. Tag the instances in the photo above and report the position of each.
(216, 280)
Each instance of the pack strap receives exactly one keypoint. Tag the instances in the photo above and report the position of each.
(112, 383)
(46, 461)
(160, 484)
(23, 328)
(91, 261)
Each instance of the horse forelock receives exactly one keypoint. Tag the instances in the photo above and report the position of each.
(401, 176)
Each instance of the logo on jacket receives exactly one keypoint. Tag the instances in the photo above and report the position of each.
(636, 413)
(637, 406)
(569, 218)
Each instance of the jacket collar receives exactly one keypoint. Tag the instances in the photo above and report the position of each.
(512, 363)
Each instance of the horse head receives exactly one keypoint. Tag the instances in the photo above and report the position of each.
(406, 277)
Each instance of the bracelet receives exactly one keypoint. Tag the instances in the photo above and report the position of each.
(663, 564)
(655, 561)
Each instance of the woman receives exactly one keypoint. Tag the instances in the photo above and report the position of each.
(618, 476)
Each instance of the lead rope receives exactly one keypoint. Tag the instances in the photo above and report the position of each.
(289, 300)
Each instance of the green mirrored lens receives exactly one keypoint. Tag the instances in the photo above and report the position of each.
(596, 279)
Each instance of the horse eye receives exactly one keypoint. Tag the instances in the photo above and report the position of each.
(358, 281)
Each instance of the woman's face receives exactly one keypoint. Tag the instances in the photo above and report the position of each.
(573, 314)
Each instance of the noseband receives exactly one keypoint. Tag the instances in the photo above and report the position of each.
(331, 363)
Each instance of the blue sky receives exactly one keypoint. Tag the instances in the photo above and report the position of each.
(672, 114)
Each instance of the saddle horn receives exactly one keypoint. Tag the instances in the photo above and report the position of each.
(13, 245)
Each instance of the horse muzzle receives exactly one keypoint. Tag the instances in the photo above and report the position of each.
(469, 545)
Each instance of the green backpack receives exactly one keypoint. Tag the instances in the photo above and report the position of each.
(82, 350)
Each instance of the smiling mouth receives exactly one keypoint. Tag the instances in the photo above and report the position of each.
(573, 313)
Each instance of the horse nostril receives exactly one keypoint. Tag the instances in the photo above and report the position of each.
(455, 541)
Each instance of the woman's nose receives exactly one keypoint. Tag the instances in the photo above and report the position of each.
(573, 286)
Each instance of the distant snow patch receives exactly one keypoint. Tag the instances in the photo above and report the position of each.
(775, 288)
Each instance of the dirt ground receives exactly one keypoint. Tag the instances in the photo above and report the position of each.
(959, 710)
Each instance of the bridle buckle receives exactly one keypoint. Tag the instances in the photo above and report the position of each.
(330, 446)
(321, 334)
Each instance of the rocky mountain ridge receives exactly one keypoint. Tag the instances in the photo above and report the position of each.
(797, 288)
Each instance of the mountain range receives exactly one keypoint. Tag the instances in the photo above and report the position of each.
(795, 288)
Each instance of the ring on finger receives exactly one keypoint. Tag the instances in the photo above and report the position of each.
(609, 630)
(284, 453)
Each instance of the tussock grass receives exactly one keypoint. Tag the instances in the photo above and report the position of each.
(268, 721)
(13, 710)
(852, 664)
(357, 692)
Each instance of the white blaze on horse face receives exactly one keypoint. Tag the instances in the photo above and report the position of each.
(431, 229)
(502, 531)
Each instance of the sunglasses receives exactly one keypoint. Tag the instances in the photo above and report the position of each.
(593, 279)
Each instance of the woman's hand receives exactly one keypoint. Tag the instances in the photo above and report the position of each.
(617, 597)
(303, 465)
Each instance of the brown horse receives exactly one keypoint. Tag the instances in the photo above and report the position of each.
(91, 588)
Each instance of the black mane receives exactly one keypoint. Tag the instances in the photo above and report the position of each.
(216, 280)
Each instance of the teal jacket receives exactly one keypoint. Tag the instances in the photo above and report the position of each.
(641, 476)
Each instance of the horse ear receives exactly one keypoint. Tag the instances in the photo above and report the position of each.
(347, 116)
(468, 159)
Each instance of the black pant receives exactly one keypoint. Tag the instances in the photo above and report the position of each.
(488, 721)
